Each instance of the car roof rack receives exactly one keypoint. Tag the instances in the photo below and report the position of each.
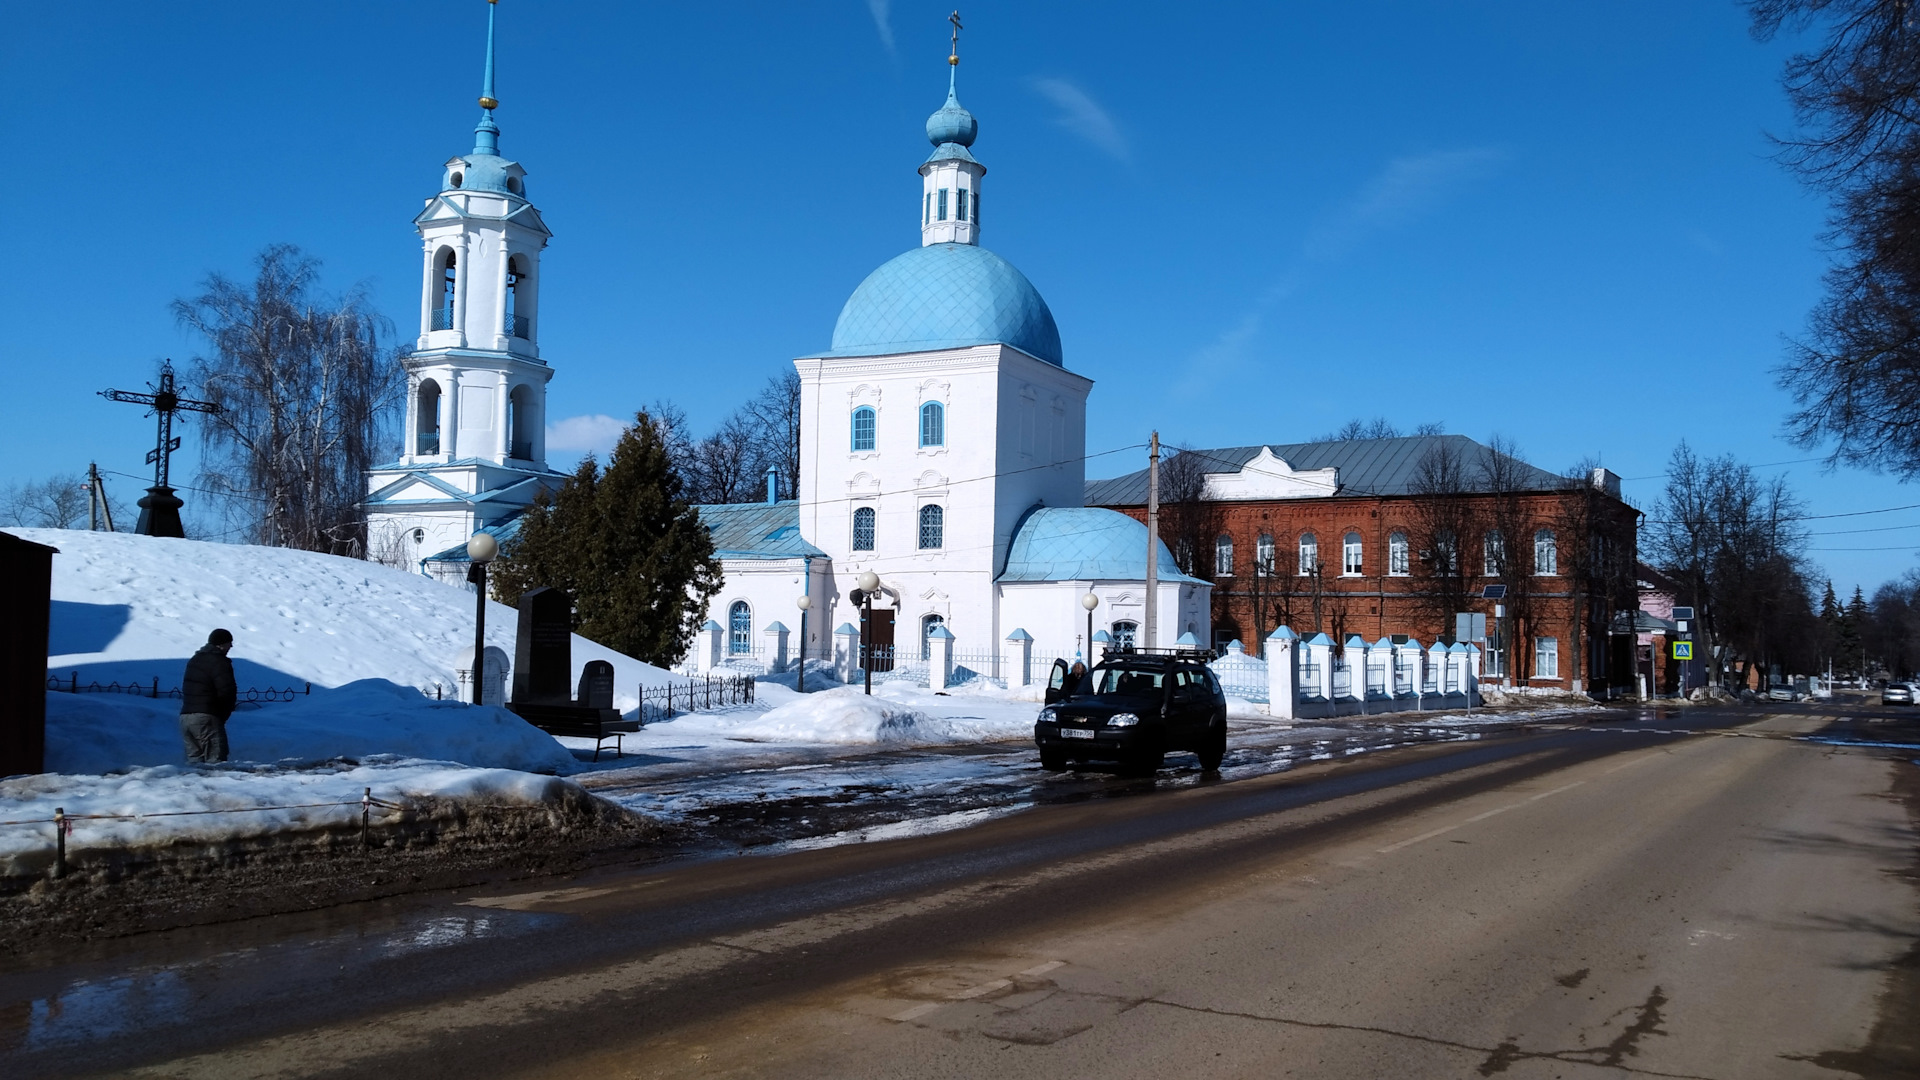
(1178, 652)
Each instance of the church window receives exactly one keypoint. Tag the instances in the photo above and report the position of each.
(458, 179)
(926, 208)
(941, 211)
(933, 527)
(740, 629)
(1546, 557)
(863, 428)
(1309, 554)
(1397, 563)
(513, 184)
(1263, 555)
(1223, 556)
(1350, 552)
(1125, 634)
(449, 286)
(961, 211)
(863, 529)
(927, 625)
(426, 418)
(933, 424)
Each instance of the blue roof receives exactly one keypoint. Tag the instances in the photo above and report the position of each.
(756, 530)
(946, 296)
(1072, 543)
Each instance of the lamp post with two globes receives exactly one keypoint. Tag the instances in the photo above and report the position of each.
(481, 549)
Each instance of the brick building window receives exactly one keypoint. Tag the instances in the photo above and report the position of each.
(1263, 555)
(1446, 552)
(1546, 658)
(1398, 564)
(1546, 557)
(1350, 552)
(1494, 553)
(1223, 556)
(1309, 554)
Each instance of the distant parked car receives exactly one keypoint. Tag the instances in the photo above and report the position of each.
(1897, 693)
(1782, 692)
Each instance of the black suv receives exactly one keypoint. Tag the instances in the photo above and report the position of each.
(1133, 708)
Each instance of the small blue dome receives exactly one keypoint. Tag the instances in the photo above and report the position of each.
(946, 296)
(485, 172)
(952, 124)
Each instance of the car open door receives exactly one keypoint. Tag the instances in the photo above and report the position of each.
(1057, 682)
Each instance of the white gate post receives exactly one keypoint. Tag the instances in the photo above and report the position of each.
(939, 658)
(1283, 674)
(846, 652)
(1473, 678)
(1319, 651)
(1022, 645)
(776, 647)
(707, 648)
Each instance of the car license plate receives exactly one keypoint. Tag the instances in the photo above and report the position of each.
(1075, 733)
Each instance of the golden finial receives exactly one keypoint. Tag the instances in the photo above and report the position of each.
(954, 58)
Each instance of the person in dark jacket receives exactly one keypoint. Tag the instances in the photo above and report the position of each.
(206, 700)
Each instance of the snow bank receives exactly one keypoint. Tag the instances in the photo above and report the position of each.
(102, 733)
(847, 715)
(169, 805)
(133, 608)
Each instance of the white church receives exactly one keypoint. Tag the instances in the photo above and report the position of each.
(943, 441)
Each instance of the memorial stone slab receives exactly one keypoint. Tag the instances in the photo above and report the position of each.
(543, 649)
(596, 685)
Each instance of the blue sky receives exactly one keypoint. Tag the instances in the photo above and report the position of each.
(1252, 221)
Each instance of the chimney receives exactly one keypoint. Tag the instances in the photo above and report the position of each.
(773, 484)
(1608, 481)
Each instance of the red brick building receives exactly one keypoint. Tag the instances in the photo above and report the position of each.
(1378, 537)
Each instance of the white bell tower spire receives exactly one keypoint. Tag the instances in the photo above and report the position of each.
(950, 178)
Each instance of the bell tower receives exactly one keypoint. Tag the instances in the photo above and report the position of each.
(950, 177)
(475, 428)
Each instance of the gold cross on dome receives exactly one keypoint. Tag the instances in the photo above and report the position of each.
(954, 18)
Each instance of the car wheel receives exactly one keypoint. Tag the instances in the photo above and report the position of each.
(1053, 760)
(1213, 747)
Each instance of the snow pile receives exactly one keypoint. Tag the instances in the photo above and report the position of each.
(168, 805)
(130, 609)
(101, 733)
(847, 715)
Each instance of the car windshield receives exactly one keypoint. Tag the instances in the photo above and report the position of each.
(1124, 682)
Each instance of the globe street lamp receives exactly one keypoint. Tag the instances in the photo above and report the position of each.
(869, 583)
(481, 549)
(1089, 602)
(803, 602)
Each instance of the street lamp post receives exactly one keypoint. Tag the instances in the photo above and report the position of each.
(804, 602)
(481, 549)
(1089, 602)
(869, 582)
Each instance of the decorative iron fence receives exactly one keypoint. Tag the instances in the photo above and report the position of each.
(1309, 678)
(695, 695)
(1377, 676)
(1342, 679)
(73, 685)
(442, 319)
(519, 326)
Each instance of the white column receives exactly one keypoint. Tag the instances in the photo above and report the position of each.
(1319, 653)
(500, 338)
(706, 648)
(1021, 643)
(939, 658)
(450, 435)
(502, 440)
(846, 653)
(1283, 673)
(427, 294)
(1357, 651)
(462, 272)
(776, 633)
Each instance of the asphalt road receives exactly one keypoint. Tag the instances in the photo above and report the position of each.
(1700, 895)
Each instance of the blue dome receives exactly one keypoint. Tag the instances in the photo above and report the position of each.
(946, 296)
(952, 124)
(484, 172)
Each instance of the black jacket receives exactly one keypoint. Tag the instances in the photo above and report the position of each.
(208, 687)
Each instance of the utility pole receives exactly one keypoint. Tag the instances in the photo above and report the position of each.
(97, 505)
(1153, 543)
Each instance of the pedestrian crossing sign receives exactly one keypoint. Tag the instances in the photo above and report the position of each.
(1683, 650)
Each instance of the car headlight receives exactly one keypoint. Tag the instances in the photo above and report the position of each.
(1125, 719)
(1048, 716)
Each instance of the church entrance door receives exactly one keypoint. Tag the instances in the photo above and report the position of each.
(878, 624)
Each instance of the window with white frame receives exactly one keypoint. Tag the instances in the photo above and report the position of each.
(740, 629)
(863, 528)
(1263, 555)
(1546, 658)
(1309, 554)
(1125, 634)
(933, 527)
(1223, 556)
(933, 424)
(1546, 557)
(1398, 563)
(1494, 553)
(1350, 554)
(865, 425)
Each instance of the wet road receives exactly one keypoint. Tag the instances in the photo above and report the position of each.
(1603, 898)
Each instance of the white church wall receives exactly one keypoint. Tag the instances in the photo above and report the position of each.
(770, 589)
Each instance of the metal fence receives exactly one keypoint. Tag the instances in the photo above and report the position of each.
(73, 685)
(1342, 678)
(695, 695)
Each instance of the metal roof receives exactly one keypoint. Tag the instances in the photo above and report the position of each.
(946, 296)
(1062, 543)
(759, 530)
(1366, 466)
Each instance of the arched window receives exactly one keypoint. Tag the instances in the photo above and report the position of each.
(516, 322)
(1398, 564)
(927, 623)
(933, 424)
(1546, 557)
(863, 529)
(1350, 554)
(1263, 555)
(740, 629)
(1494, 552)
(1309, 554)
(1446, 551)
(449, 273)
(426, 418)
(1223, 556)
(863, 428)
(1125, 634)
(933, 527)
(522, 422)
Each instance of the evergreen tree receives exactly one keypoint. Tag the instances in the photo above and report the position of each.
(625, 545)
(1830, 616)
(1853, 631)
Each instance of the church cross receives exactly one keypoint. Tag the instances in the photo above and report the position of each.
(163, 401)
(955, 20)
